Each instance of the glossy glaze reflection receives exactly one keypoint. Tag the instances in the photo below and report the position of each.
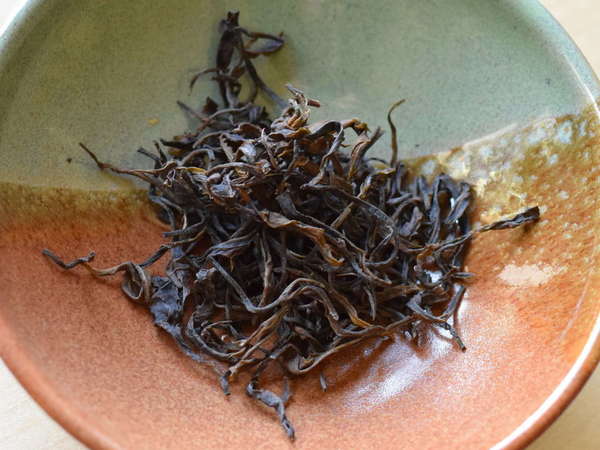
(523, 332)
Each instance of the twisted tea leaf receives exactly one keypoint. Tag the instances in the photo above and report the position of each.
(289, 244)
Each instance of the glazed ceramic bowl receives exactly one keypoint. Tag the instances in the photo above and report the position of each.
(500, 82)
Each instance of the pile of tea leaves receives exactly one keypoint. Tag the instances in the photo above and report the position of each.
(287, 242)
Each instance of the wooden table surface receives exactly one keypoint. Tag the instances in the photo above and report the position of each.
(25, 426)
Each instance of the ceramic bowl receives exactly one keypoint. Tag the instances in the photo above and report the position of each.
(498, 82)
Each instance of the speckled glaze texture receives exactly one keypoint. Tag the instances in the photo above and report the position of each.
(499, 83)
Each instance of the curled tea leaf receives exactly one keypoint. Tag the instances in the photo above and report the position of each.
(288, 242)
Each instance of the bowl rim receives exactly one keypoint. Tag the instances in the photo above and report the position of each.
(74, 420)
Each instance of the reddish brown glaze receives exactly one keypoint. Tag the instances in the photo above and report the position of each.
(122, 383)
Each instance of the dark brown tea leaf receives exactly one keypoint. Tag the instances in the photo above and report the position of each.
(287, 242)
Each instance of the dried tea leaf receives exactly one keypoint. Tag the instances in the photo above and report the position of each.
(288, 243)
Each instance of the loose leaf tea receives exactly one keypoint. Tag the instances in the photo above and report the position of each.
(287, 242)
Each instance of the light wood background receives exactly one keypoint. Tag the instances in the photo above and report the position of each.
(25, 426)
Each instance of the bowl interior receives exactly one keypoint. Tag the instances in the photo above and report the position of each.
(501, 77)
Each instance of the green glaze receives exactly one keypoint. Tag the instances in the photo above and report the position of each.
(97, 71)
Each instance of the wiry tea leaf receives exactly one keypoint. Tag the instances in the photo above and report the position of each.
(286, 248)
